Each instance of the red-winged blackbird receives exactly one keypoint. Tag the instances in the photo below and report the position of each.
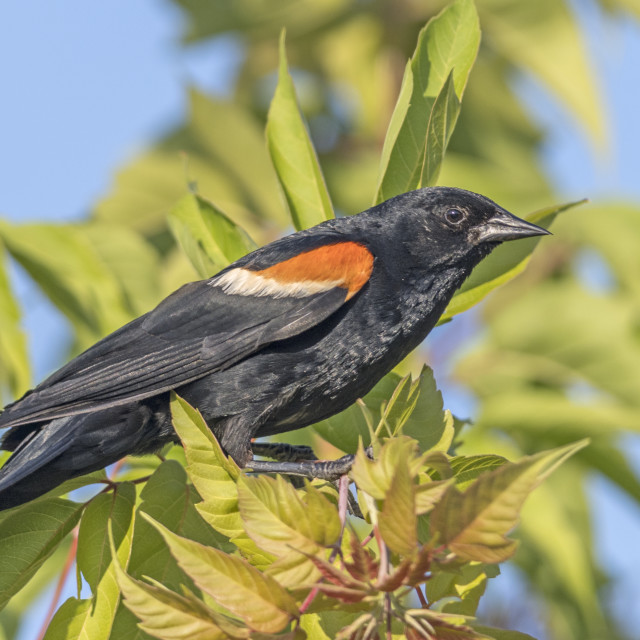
(284, 337)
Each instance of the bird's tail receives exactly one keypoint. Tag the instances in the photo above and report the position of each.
(62, 449)
(38, 464)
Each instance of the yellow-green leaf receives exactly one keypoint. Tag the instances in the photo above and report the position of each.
(442, 122)
(376, 476)
(209, 238)
(288, 524)
(397, 520)
(293, 155)
(447, 46)
(474, 523)
(14, 361)
(233, 583)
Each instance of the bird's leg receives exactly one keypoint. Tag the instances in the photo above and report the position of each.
(322, 469)
(300, 461)
(282, 452)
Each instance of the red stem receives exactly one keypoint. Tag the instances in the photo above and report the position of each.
(309, 599)
(423, 600)
(71, 556)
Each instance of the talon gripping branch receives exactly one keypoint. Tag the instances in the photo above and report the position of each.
(284, 337)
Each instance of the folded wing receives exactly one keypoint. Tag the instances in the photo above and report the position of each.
(202, 328)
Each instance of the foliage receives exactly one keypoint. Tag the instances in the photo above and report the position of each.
(213, 552)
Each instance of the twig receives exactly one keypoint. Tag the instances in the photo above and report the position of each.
(423, 600)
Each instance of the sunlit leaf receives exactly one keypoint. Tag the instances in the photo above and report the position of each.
(442, 122)
(214, 475)
(468, 468)
(376, 476)
(166, 615)
(429, 493)
(287, 524)
(400, 405)
(233, 583)
(208, 237)
(446, 46)
(14, 361)
(474, 523)
(465, 587)
(293, 155)
(397, 520)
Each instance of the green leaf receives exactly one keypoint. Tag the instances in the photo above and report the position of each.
(474, 524)
(465, 587)
(233, 583)
(14, 360)
(376, 476)
(467, 468)
(164, 614)
(12, 616)
(397, 520)
(214, 475)
(429, 493)
(207, 236)
(447, 46)
(416, 410)
(293, 155)
(28, 536)
(288, 524)
(504, 264)
(226, 157)
(93, 556)
(442, 122)
(168, 499)
(92, 619)
(399, 405)
(80, 276)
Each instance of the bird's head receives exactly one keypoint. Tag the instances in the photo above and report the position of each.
(446, 226)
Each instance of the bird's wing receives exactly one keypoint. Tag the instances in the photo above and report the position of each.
(203, 327)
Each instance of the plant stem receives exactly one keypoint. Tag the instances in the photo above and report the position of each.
(71, 556)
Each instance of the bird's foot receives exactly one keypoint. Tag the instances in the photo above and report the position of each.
(329, 470)
(283, 452)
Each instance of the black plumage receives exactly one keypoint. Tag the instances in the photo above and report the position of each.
(286, 336)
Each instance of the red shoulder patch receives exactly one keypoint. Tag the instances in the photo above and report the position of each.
(344, 264)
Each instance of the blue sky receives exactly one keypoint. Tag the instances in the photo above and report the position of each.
(88, 84)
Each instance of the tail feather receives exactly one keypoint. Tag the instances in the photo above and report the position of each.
(36, 450)
(75, 445)
(36, 465)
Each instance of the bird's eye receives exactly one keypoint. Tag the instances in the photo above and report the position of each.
(455, 216)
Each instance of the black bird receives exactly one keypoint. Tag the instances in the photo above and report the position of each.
(286, 336)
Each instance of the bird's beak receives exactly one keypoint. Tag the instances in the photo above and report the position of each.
(505, 226)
